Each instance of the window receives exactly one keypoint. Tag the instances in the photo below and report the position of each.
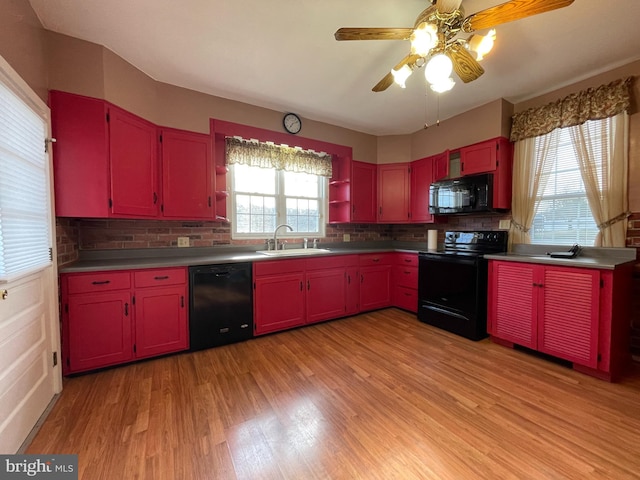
(24, 188)
(562, 213)
(263, 198)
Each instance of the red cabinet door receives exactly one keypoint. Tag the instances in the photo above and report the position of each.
(479, 158)
(325, 294)
(364, 179)
(375, 287)
(421, 179)
(352, 287)
(134, 164)
(80, 155)
(161, 321)
(513, 302)
(99, 330)
(440, 165)
(569, 314)
(187, 175)
(393, 193)
(279, 302)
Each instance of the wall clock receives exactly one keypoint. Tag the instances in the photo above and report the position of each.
(292, 123)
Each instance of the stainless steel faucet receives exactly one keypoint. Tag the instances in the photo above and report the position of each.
(275, 234)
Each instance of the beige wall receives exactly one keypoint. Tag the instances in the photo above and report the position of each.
(22, 43)
(394, 149)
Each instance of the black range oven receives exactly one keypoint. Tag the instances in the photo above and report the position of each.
(452, 283)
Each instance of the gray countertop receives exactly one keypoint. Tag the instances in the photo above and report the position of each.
(590, 257)
(101, 260)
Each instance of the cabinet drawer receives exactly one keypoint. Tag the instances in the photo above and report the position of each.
(376, 259)
(408, 259)
(333, 261)
(406, 276)
(405, 298)
(98, 282)
(276, 267)
(159, 278)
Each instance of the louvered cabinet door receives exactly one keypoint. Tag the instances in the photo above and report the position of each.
(569, 313)
(513, 302)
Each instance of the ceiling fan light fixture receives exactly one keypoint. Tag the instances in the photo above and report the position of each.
(424, 38)
(482, 44)
(438, 69)
(400, 76)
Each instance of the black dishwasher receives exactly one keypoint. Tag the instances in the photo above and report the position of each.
(221, 305)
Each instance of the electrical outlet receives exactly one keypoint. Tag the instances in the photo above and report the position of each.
(183, 241)
(346, 237)
(504, 224)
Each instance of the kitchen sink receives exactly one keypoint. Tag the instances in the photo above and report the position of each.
(294, 252)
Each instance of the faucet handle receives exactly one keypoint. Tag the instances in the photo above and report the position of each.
(315, 243)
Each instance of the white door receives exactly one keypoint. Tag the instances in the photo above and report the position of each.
(29, 332)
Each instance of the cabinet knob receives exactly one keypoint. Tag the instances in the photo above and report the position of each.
(5, 294)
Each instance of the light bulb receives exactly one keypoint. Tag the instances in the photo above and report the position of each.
(438, 68)
(482, 44)
(423, 39)
(400, 76)
(443, 85)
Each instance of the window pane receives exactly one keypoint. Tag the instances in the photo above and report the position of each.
(301, 185)
(562, 215)
(254, 179)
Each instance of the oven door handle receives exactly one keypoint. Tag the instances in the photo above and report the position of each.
(446, 312)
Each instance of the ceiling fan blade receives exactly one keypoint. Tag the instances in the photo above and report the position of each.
(387, 80)
(448, 6)
(510, 11)
(373, 33)
(465, 66)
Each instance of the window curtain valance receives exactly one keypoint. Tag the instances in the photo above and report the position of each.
(280, 157)
(591, 104)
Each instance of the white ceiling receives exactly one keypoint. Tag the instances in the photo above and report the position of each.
(281, 54)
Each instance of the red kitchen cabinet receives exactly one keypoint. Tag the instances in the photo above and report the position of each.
(99, 330)
(352, 287)
(578, 314)
(161, 321)
(116, 317)
(364, 179)
(421, 179)
(440, 165)
(340, 190)
(326, 294)
(375, 281)
(80, 155)
(279, 298)
(479, 158)
(405, 281)
(394, 193)
(133, 158)
(187, 175)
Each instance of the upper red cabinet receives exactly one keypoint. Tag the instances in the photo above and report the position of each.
(133, 159)
(105, 159)
(393, 193)
(187, 175)
(80, 155)
(340, 190)
(440, 165)
(364, 179)
(484, 156)
(421, 179)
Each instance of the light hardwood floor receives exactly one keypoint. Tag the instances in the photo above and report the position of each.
(376, 396)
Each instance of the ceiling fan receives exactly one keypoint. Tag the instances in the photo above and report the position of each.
(435, 41)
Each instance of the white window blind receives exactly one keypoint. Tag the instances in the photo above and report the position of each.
(563, 216)
(24, 212)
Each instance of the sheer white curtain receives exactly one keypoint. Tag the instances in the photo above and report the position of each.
(530, 158)
(605, 180)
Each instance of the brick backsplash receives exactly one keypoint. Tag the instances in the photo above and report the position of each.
(67, 240)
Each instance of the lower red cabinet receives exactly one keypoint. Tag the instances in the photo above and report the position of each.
(405, 282)
(375, 281)
(116, 317)
(577, 314)
(279, 302)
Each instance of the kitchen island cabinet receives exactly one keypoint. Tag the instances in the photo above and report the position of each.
(111, 318)
(576, 314)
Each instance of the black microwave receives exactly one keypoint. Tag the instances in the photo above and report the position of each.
(470, 194)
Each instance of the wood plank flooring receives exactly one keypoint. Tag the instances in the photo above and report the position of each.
(376, 396)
